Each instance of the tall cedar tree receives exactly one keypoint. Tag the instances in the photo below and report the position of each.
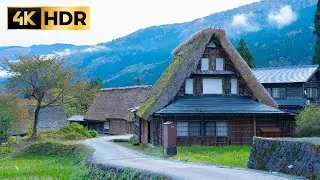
(316, 56)
(43, 78)
(245, 53)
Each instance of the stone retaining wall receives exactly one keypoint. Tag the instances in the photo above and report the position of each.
(295, 156)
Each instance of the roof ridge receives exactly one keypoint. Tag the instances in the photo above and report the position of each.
(125, 87)
(286, 67)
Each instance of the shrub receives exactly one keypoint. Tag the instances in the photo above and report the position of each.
(74, 127)
(5, 150)
(308, 123)
(91, 134)
(72, 136)
(54, 148)
(135, 142)
(12, 140)
(72, 131)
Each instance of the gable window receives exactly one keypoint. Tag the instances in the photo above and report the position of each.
(312, 93)
(219, 64)
(204, 64)
(185, 129)
(216, 128)
(213, 44)
(278, 92)
(212, 86)
(189, 86)
(234, 86)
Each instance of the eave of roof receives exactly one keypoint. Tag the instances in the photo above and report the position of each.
(217, 105)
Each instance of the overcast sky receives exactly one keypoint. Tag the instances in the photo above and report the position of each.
(111, 19)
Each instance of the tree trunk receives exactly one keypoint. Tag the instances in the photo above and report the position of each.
(35, 122)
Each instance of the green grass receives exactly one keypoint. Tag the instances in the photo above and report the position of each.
(235, 156)
(36, 166)
(46, 165)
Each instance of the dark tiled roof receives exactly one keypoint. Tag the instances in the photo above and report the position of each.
(289, 74)
(291, 102)
(218, 105)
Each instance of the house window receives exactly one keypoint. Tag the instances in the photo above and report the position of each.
(204, 64)
(222, 128)
(312, 93)
(182, 129)
(216, 128)
(234, 86)
(219, 64)
(194, 128)
(278, 92)
(212, 86)
(189, 86)
(210, 129)
(106, 125)
(185, 129)
(269, 91)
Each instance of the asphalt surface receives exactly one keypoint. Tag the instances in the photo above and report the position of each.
(110, 153)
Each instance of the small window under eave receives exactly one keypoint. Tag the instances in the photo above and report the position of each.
(213, 44)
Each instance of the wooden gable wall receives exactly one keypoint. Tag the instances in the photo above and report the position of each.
(212, 54)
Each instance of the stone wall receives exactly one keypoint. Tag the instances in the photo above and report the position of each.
(295, 156)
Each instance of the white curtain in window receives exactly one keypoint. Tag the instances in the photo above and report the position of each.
(189, 86)
(222, 128)
(234, 86)
(212, 86)
(219, 64)
(204, 64)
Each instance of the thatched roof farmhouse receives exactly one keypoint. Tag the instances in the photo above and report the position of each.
(211, 95)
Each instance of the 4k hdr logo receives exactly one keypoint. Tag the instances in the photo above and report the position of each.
(49, 18)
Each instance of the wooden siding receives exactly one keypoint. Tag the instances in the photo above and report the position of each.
(240, 132)
(293, 90)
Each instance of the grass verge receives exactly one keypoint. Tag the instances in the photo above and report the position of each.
(234, 156)
(46, 160)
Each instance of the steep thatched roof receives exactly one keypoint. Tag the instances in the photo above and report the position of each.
(187, 57)
(113, 103)
(52, 117)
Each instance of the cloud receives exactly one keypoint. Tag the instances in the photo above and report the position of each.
(68, 52)
(284, 17)
(95, 49)
(245, 22)
(3, 74)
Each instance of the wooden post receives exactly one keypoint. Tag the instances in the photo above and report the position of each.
(254, 126)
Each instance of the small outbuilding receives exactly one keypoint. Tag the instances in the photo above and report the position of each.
(110, 111)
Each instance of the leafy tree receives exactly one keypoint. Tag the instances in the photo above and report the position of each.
(245, 53)
(43, 78)
(12, 114)
(316, 56)
(308, 123)
(97, 83)
(80, 98)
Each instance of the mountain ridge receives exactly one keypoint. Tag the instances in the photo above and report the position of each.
(146, 52)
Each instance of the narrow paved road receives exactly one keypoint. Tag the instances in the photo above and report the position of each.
(107, 152)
